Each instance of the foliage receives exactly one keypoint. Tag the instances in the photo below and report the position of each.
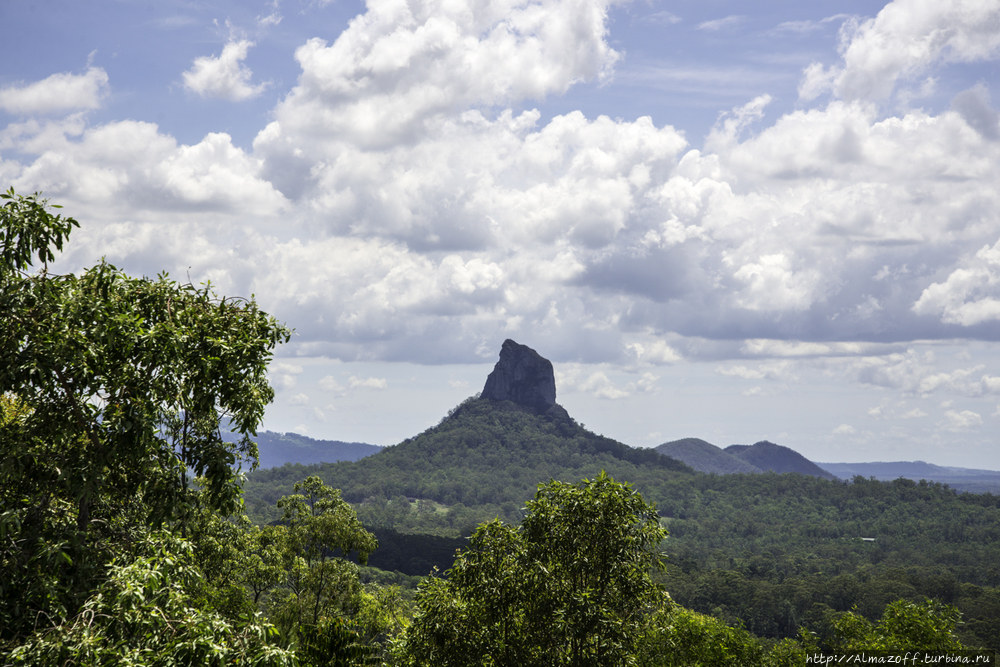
(320, 523)
(142, 615)
(905, 626)
(114, 388)
(678, 637)
(485, 452)
(568, 587)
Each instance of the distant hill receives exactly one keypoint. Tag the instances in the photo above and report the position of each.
(972, 480)
(706, 457)
(277, 449)
(769, 456)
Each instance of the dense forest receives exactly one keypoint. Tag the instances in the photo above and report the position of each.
(125, 538)
(776, 553)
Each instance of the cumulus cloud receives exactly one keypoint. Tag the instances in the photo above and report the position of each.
(961, 421)
(299, 399)
(400, 65)
(905, 39)
(888, 409)
(970, 295)
(283, 375)
(131, 163)
(423, 220)
(974, 106)
(59, 92)
(225, 76)
(367, 383)
(917, 373)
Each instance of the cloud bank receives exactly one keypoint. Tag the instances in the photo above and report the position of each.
(406, 204)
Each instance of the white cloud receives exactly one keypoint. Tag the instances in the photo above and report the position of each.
(401, 65)
(975, 108)
(777, 370)
(421, 220)
(844, 429)
(130, 165)
(299, 399)
(661, 18)
(902, 42)
(59, 92)
(970, 295)
(224, 76)
(726, 23)
(283, 375)
(599, 385)
(329, 383)
(657, 352)
(888, 409)
(367, 383)
(917, 374)
(962, 421)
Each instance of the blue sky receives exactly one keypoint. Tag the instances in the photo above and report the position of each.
(735, 221)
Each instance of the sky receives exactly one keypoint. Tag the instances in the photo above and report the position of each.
(718, 219)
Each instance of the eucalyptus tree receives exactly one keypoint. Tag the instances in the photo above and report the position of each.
(570, 586)
(114, 390)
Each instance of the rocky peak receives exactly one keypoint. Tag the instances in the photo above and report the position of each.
(522, 376)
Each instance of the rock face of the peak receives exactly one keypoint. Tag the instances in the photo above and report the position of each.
(522, 376)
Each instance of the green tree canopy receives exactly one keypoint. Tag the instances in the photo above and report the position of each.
(570, 586)
(115, 388)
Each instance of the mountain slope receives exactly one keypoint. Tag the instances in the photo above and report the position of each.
(277, 449)
(769, 456)
(706, 457)
(483, 452)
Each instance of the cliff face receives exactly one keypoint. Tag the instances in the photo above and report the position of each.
(522, 376)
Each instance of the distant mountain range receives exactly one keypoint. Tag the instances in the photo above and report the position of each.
(277, 449)
(963, 479)
(757, 458)
(522, 387)
(763, 456)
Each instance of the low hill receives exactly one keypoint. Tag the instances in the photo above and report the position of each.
(972, 480)
(706, 457)
(277, 449)
(769, 456)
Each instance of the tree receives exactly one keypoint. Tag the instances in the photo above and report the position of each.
(904, 626)
(115, 391)
(320, 523)
(679, 637)
(143, 614)
(570, 586)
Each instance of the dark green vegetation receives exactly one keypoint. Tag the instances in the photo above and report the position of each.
(761, 457)
(778, 553)
(486, 454)
(705, 457)
(123, 539)
(768, 456)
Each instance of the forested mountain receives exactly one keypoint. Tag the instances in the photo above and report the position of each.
(276, 449)
(776, 458)
(484, 453)
(705, 457)
(777, 552)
